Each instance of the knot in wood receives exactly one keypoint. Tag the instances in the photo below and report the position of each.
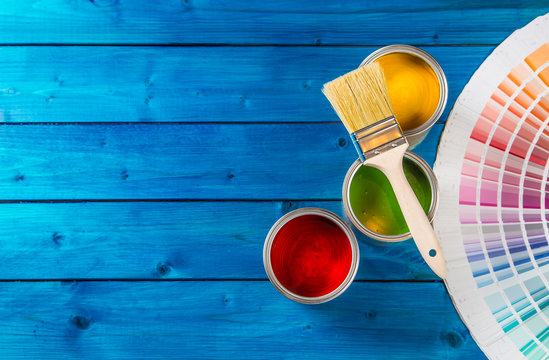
(163, 269)
(453, 339)
(81, 322)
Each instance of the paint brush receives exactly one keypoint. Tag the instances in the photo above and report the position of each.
(361, 100)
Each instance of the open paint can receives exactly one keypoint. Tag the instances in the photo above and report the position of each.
(311, 255)
(417, 88)
(371, 205)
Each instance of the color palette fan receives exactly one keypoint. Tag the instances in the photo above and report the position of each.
(492, 166)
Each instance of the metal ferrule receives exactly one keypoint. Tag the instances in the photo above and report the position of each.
(377, 138)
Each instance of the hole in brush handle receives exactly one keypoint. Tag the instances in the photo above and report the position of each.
(432, 253)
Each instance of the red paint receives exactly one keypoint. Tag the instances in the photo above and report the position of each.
(311, 255)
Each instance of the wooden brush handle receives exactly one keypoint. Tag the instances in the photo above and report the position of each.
(390, 162)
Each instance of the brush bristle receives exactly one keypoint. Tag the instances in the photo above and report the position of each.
(360, 98)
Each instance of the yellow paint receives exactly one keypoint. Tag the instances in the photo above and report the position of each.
(413, 88)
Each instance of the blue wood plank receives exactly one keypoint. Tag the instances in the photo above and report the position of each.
(227, 320)
(223, 307)
(189, 84)
(191, 161)
(159, 240)
(264, 22)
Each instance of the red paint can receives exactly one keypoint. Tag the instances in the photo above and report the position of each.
(311, 255)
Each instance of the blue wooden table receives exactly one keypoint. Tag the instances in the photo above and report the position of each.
(148, 146)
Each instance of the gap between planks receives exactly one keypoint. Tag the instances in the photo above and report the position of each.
(125, 123)
(207, 279)
(214, 45)
(73, 201)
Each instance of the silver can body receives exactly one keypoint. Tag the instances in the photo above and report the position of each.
(350, 215)
(336, 220)
(415, 136)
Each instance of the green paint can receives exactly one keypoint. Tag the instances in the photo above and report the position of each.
(371, 205)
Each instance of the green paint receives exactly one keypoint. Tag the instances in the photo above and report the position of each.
(374, 203)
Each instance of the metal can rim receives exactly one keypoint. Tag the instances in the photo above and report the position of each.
(283, 221)
(349, 213)
(443, 83)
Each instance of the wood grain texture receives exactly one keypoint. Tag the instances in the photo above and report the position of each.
(227, 320)
(53, 84)
(194, 161)
(156, 240)
(164, 223)
(263, 22)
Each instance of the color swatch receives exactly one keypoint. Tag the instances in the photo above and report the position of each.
(492, 220)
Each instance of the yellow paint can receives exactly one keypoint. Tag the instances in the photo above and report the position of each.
(417, 88)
